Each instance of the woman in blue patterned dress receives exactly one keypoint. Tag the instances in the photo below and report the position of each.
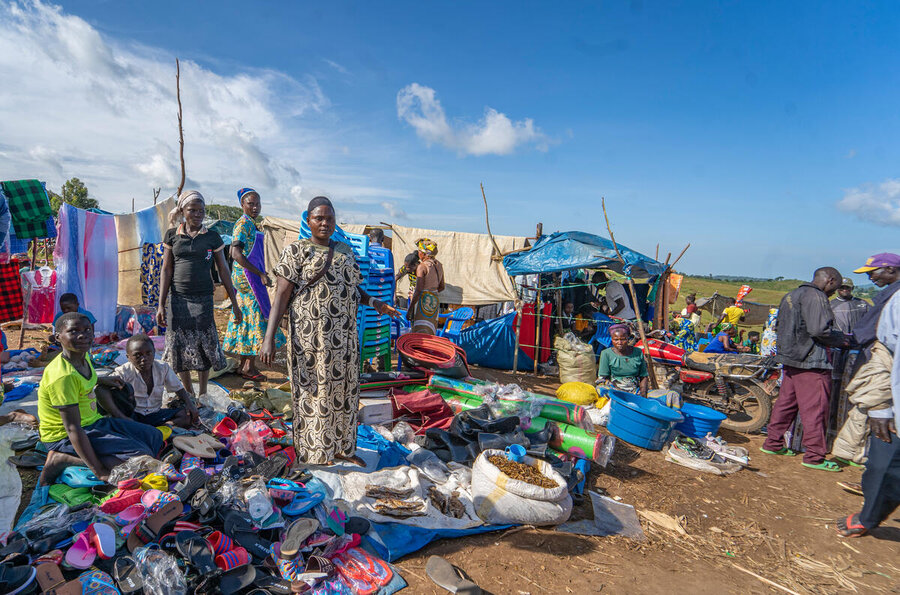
(244, 339)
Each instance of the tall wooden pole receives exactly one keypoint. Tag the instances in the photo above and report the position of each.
(180, 128)
(640, 323)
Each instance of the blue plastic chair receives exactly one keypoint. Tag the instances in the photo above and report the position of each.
(601, 339)
(455, 320)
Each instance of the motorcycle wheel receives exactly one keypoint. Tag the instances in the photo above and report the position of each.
(754, 406)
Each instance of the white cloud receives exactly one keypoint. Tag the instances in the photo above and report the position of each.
(879, 203)
(392, 209)
(90, 106)
(494, 134)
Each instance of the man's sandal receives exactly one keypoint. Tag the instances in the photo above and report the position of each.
(785, 452)
(850, 527)
(843, 461)
(830, 466)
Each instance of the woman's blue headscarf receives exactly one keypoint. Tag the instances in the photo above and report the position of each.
(244, 191)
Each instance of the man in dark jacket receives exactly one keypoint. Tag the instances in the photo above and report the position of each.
(805, 330)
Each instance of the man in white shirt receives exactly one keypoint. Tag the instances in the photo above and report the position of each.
(617, 299)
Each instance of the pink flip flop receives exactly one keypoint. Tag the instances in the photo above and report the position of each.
(82, 554)
(133, 513)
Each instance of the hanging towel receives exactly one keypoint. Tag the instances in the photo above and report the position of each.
(257, 258)
(87, 263)
(42, 286)
(133, 231)
(29, 207)
(152, 222)
(151, 264)
(5, 218)
(12, 306)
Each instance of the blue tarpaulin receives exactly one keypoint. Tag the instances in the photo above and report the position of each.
(491, 343)
(566, 250)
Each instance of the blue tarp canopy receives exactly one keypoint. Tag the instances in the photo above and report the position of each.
(491, 344)
(565, 250)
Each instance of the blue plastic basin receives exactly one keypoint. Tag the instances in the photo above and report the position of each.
(698, 420)
(639, 421)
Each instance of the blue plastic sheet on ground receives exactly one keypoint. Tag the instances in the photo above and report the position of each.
(20, 392)
(566, 250)
(392, 541)
(490, 344)
(390, 453)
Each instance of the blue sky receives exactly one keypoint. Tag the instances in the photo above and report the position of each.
(765, 133)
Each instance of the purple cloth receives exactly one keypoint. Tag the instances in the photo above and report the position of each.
(257, 258)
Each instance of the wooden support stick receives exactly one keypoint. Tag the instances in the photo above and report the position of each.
(180, 128)
(679, 256)
(640, 323)
(487, 221)
(27, 302)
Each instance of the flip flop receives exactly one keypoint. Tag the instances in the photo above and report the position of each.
(853, 488)
(204, 505)
(127, 575)
(848, 462)
(351, 575)
(195, 480)
(372, 566)
(103, 539)
(785, 452)
(193, 445)
(850, 527)
(296, 534)
(82, 554)
(16, 579)
(96, 582)
(79, 477)
(155, 481)
(268, 583)
(238, 579)
(122, 500)
(196, 551)
(829, 466)
(336, 520)
(258, 377)
(449, 577)
(28, 460)
(303, 503)
(51, 580)
(149, 529)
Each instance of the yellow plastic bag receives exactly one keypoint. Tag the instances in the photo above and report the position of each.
(580, 393)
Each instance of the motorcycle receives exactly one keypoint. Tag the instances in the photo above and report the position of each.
(742, 386)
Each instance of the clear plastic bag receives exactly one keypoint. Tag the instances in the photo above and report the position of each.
(160, 572)
(403, 433)
(139, 466)
(256, 499)
(249, 438)
(55, 518)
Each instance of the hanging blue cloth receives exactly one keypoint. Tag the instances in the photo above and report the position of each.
(391, 453)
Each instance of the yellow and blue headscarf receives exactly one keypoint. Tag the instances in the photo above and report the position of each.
(427, 246)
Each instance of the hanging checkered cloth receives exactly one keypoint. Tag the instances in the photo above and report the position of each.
(29, 208)
(12, 305)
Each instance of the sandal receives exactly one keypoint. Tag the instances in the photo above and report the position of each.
(232, 559)
(447, 576)
(785, 452)
(195, 480)
(848, 462)
(851, 527)
(127, 575)
(296, 534)
(204, 505)
(258, 377)
(853, 488)
(238, 579)
(196, 551)
(103, 539)
(82, 554)
(28, 460)
(16, 579)
(151, 528)
(824, 466)
(220, 542)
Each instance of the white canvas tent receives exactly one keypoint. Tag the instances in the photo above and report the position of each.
(470, 276)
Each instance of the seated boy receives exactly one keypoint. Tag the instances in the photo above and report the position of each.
(149, 378)
(752, 342)
(68, 302)
(71, 428)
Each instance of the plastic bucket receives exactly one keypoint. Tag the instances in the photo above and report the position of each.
(698, 420)
(641, 422)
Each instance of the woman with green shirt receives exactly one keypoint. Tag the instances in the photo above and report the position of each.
(622, 366)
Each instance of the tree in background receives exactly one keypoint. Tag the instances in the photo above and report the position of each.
(223, 212)
(75, 193)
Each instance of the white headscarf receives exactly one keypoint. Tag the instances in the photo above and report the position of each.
(175, 215)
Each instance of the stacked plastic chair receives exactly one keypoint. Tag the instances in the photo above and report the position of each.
(378, 281)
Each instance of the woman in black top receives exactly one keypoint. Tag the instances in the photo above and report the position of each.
(190, 249)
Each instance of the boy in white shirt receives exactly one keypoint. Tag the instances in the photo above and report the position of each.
(150, 378)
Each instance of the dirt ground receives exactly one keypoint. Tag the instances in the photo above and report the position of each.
(775, 519)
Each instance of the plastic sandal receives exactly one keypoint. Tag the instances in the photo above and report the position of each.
(336, 520)
(449, 577)
(225, 428)
(150, 528)
(373, 567)
(238, 579)
(850, 527)
(829, 466)
(79, 477)
(233, 559)
(82, 554)
(129, 484)
(96, 582)
(220, 542)
(127, 575)
(119, 502)
(155, 481)
(296, 534)
(350, 574)
(853, 488)
(195, 480)
(189, 462)
(195, 445)
(16, 579)
(204, 505)
(785, 452)
(196, 551)
(103, 539)
(843, 461)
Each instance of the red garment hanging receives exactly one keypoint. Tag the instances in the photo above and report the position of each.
(526, 337)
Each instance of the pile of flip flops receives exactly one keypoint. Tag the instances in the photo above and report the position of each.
(206, 517)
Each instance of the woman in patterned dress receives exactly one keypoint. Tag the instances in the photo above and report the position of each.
(244, 338)
(318, 283)
(424, 304)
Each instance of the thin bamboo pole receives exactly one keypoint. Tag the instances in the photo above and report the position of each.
(640, 323)
(27, 302)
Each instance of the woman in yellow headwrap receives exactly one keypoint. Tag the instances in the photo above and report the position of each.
(424, 303)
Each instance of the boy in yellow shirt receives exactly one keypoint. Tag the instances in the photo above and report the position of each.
(71, 428)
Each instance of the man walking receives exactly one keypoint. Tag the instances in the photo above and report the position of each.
(805, 330)
(881, 480)
(849, 445)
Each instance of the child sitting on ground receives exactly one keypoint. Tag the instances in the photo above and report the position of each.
(149, 378)
(68, 302)
(71, 428)
(752, 342)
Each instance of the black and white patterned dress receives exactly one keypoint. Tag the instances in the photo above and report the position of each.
(323, 350)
